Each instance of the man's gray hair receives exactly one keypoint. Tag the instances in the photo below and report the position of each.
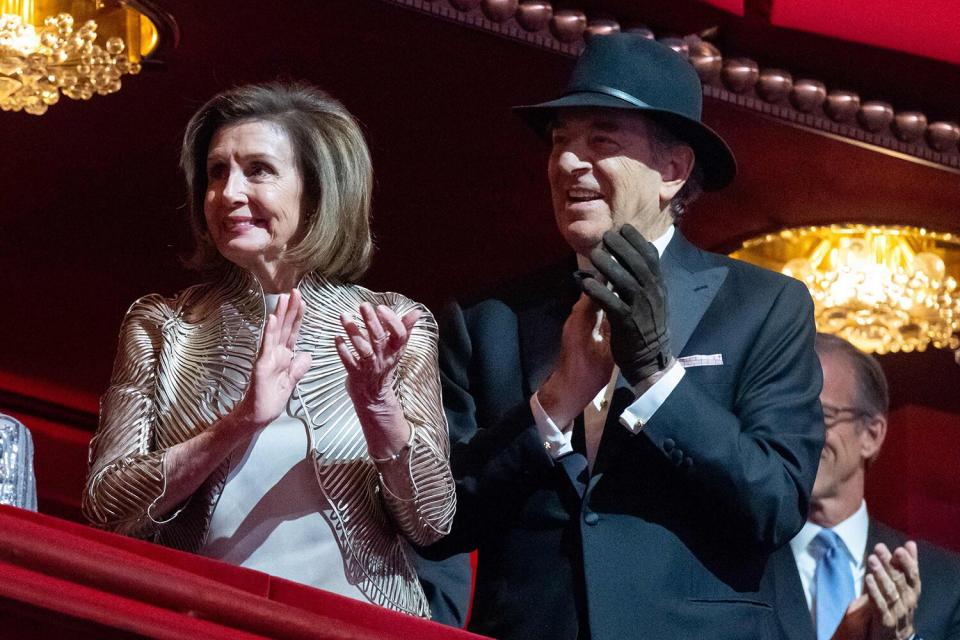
(873, 394)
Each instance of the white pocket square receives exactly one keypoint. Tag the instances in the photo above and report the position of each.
(710, 360)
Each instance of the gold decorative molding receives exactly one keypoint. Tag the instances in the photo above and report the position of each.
(773, 92)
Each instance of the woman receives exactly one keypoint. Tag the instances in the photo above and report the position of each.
(279, 417)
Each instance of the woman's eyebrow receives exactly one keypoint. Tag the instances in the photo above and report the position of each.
(256, 155)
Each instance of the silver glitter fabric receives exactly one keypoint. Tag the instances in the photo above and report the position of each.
(18, 486)
(184, 363)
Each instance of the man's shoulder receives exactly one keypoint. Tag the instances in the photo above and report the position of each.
(756, 275)
(750, 276)
(935, 561)
(939, 566)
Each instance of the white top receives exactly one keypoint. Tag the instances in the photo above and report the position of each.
(853, 533)
(269, 515)
(556, 440)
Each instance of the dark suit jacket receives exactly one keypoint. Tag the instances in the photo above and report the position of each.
(938, 613)
(669, 536)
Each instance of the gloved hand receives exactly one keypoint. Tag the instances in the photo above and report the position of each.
(637, 307)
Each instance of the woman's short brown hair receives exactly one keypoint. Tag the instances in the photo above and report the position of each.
(334, 164)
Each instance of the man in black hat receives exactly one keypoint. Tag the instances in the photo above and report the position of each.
(625, 468)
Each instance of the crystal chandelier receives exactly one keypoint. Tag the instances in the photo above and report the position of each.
(883, 288)
(77, 48)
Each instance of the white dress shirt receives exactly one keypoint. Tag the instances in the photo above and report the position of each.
(556, 440)
(853, 533)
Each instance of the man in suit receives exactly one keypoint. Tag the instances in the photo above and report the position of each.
(625, 467)
(889, 587)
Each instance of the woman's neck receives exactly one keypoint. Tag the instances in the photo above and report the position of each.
(276, 278)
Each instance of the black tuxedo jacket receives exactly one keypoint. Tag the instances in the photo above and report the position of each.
(669, 536)
(938, 613)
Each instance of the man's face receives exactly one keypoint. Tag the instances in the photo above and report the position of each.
(849, 441)
(604, 172)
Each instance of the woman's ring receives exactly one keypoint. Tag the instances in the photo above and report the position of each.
(367, 356)
(382, 340)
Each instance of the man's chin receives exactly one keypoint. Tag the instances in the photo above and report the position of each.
(583, 241)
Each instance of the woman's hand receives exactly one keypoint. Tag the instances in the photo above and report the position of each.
(276, 372)
(371, 359)
(277, 369)
(376, 352)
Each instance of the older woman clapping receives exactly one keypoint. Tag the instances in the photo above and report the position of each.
(279, 417)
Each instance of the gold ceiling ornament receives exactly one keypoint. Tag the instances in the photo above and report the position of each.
(77, 48)
(883, 288)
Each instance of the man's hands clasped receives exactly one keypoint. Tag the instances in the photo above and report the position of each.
(893, 585)
(636, 308)
(891, 593)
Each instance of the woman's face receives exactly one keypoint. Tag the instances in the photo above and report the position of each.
(252, 203)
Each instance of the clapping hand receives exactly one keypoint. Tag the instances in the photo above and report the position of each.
(371, 357)
(886, 609)
(583, 366)
(893, 584)
(636, 308)
(277, 369)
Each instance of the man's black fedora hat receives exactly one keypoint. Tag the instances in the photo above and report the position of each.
(628, 71)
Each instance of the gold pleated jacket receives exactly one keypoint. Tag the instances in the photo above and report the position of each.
(183, 363)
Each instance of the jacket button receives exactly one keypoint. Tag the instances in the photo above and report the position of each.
(668, 445)
(591, 518)
(688, 462)
(676, 456)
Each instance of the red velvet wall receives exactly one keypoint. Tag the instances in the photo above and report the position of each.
(913, 484)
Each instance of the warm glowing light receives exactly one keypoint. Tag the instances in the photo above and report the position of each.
(76, 48)
(883, 288)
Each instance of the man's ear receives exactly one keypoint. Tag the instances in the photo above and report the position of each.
(674, 171)
(872, 436)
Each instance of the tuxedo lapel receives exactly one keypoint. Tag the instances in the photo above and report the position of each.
(691, 286)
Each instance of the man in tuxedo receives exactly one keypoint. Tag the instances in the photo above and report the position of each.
(630, 445)
(844, 569)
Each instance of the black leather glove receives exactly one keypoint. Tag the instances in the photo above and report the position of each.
(637, 306)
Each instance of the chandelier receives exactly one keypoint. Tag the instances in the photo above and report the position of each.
(76, 48)
(882, 288)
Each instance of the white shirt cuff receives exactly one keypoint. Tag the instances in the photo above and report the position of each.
(555, 442)
(638, 414)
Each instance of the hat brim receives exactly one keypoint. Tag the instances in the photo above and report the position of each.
(712, 153)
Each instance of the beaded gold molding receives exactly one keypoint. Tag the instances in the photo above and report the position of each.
(803, 102)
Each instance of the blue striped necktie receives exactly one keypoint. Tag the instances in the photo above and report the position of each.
(834, 583)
